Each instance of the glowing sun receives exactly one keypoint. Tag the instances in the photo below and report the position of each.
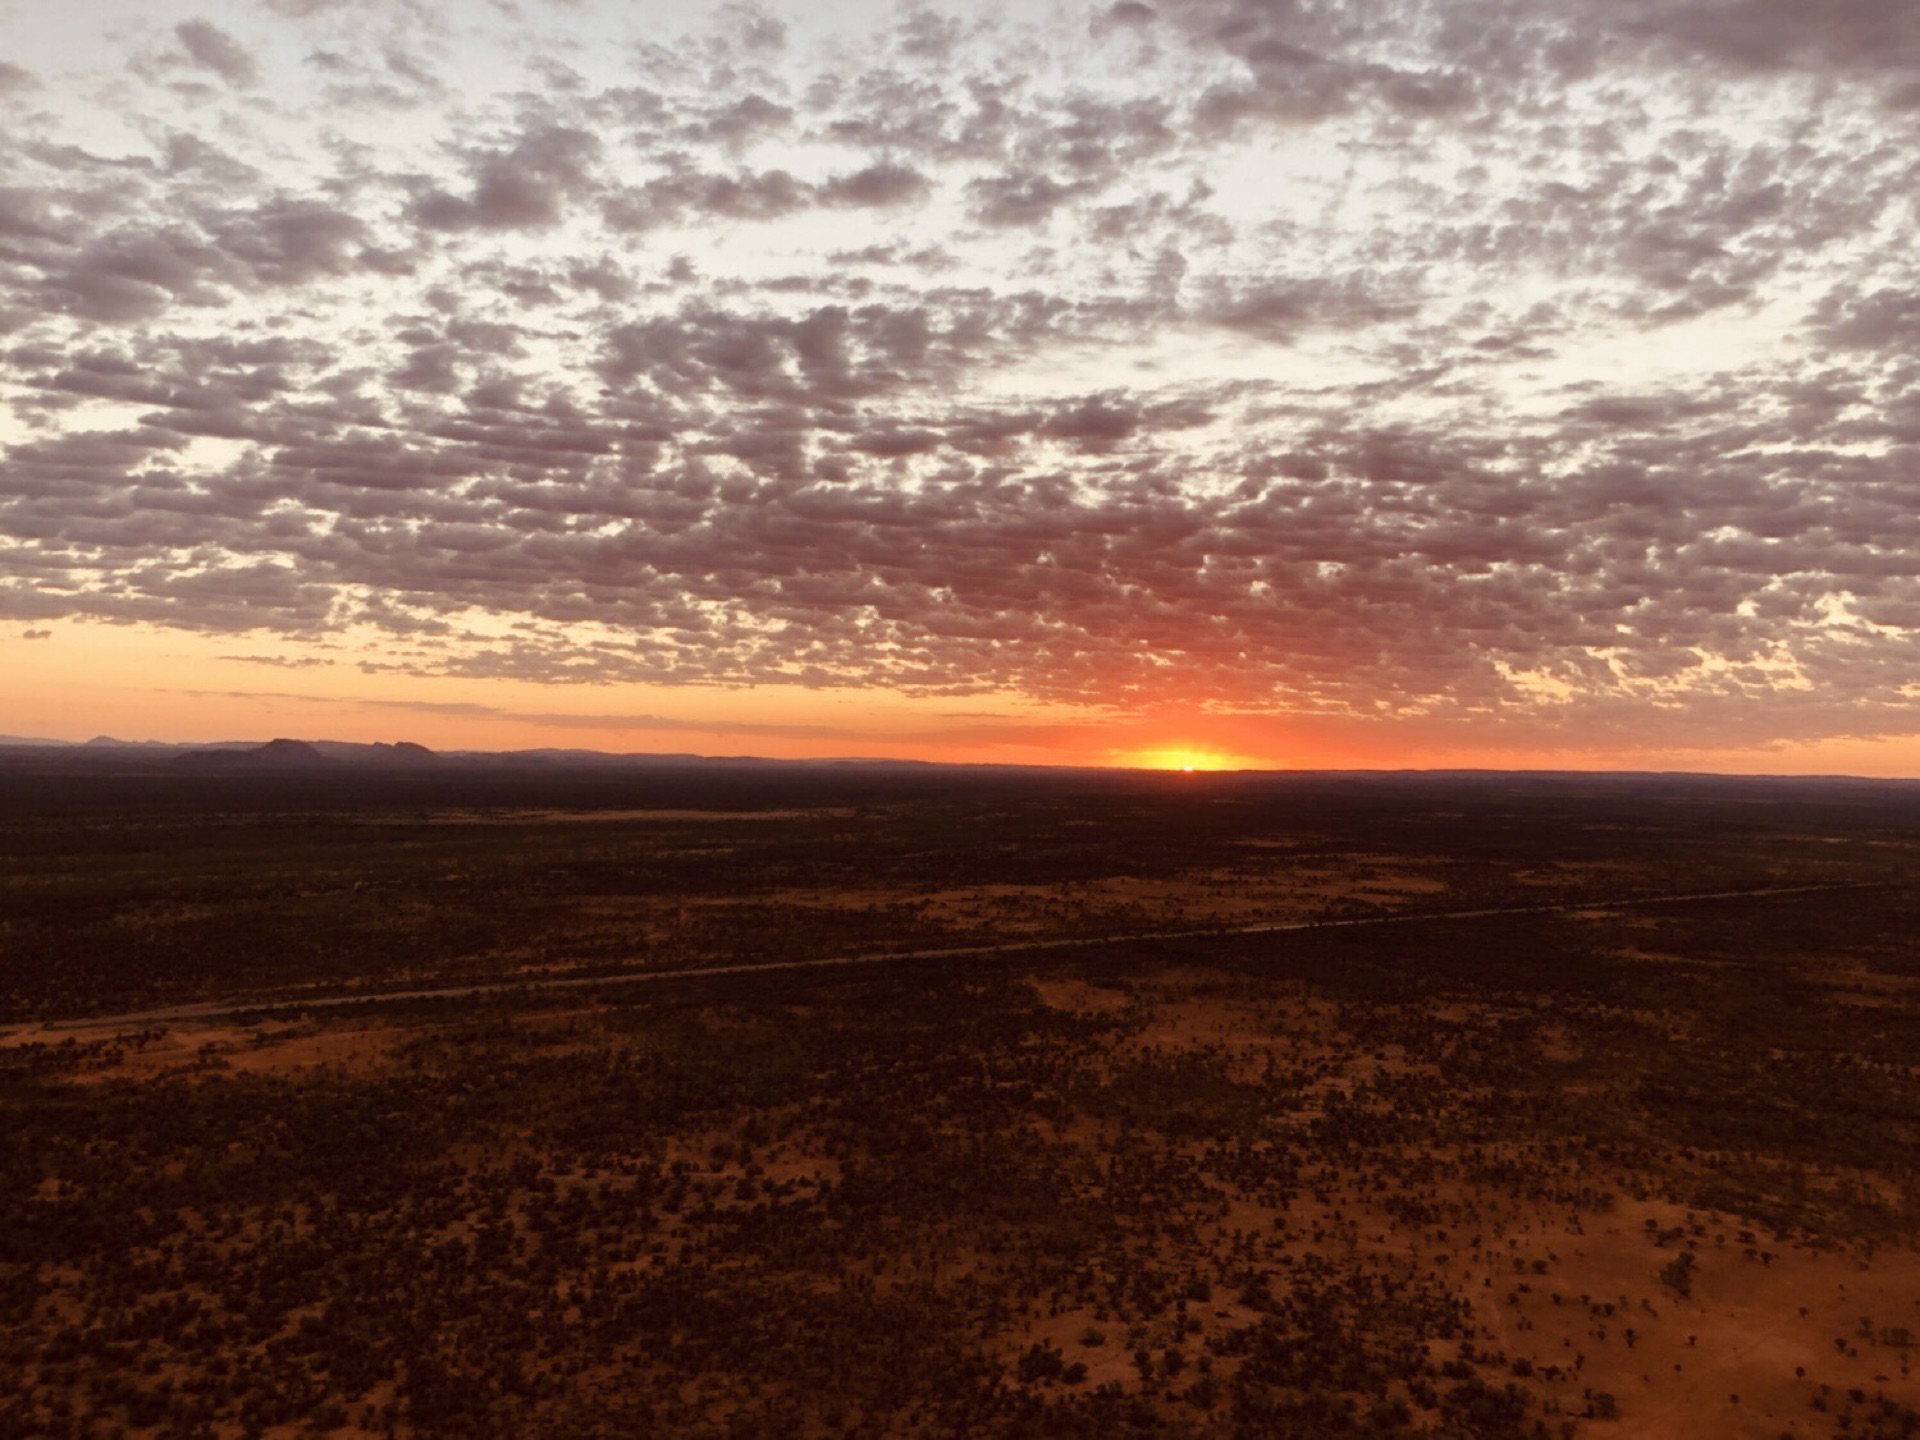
(1181, 758)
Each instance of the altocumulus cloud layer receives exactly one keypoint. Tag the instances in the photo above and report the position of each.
(1547, 359)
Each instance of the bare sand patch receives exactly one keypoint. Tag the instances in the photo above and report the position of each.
(1081, 997)
(233, 1048)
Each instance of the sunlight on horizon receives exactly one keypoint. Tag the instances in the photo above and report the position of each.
(1182, 759)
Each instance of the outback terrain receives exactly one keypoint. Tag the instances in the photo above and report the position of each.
(864, 1102)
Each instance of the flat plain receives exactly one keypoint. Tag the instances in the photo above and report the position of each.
(1120, 1127)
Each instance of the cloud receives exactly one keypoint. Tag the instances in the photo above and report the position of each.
(289, 242)
(1845, 35)
(1886, 318)
(524, 187)
(877, 185)
(212, 48)
(743, 121)
(1128, 14)
(1020, 198)
(670, 199)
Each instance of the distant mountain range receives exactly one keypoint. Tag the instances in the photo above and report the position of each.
(285, 755)
(306, 755)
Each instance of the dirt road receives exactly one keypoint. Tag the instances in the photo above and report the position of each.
(218, 1009)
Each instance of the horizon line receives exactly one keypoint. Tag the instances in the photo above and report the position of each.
(103, 743)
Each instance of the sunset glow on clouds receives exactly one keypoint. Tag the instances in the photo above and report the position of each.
(1389, 382)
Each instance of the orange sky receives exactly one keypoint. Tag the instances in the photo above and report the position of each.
(140, 682)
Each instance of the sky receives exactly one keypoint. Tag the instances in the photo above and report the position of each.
(1396, 383)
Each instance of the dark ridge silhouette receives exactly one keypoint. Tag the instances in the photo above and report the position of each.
(274, 755)
(404, 752)
(300, 755)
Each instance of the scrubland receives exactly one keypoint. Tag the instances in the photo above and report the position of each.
(1600, 1171)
